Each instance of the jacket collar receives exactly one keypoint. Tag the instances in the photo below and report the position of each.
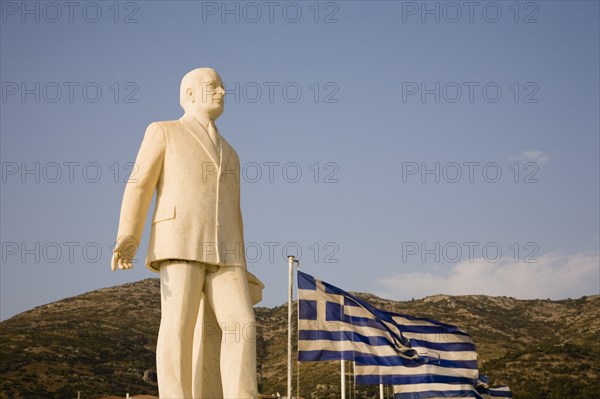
(201, 135)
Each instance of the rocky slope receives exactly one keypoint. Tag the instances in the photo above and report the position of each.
(102, 343)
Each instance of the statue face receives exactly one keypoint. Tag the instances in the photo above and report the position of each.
(209, 95)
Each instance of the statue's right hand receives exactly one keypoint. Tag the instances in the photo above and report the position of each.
(124, 252)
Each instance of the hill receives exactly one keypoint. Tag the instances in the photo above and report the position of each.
(103, 342)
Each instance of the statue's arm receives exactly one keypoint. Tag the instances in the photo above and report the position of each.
(138, 196)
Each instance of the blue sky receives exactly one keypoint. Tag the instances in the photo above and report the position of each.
(400, 148)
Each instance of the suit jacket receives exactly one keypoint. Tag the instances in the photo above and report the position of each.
(197, 215)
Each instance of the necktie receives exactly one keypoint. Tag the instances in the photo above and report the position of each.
(214, 136)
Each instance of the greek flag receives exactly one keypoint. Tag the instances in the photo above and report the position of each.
(496, 393)
(335, 325)
(457, 391)
(420, 357)
(486, 392)
(446, 365)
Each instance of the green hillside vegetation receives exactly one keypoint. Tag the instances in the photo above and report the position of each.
(103, 343)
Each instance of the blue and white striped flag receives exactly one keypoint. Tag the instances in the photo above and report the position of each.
(335, 325)
(502, 392)
(421, 358)
(445, 368)
(455, 391)
(446, 365)
(483, 388)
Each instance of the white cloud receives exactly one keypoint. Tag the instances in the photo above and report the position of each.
(555, 276)
(536, 156)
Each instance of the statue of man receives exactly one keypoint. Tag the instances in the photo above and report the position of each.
(197, 245)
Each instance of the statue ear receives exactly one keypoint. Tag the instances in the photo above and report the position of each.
(190, 93)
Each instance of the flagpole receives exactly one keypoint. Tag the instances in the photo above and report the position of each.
(298, 337)
(290, 299)
(353, 381)
(343, 380)
(381, 391)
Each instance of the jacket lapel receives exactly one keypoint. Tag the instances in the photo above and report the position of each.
(201, 135)
(225, 151)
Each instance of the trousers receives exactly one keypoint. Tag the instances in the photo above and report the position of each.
(184, 285)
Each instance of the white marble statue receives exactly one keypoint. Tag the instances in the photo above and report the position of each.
(206, 344)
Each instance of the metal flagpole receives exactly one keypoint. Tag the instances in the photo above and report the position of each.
(351, 380)
(290, 298)
(297, 337)
(343, 380)
(381, 391)
(297, 378)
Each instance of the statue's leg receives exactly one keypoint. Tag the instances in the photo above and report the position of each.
(207, 350)
(181, 289)
(227, 291)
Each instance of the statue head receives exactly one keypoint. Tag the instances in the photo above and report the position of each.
(202, 93)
